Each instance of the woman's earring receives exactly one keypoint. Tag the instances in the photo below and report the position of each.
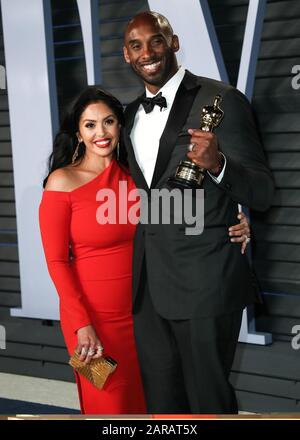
(75, 154)
(118, 151)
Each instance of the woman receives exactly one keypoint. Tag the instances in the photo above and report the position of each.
(89, 262)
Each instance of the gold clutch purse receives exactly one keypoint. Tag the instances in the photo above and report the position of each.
(97, 371)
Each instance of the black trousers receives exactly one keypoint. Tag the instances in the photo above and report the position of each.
(185, 364)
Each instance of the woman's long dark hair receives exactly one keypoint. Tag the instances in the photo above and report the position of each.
(66, 141)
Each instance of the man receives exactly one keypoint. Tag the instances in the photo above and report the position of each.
(189, 290)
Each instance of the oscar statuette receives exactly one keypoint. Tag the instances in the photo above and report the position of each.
(188, 174)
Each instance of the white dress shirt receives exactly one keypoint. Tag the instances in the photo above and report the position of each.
(148, 128)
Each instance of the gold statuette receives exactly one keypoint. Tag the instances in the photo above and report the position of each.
(188, 174)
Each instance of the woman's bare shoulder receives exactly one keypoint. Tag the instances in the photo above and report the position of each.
(62, 179)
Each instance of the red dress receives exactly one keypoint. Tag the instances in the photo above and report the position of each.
(94, 284)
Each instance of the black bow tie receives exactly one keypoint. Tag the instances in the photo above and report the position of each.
(149, 103)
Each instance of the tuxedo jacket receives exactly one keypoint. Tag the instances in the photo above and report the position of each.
(201, 275)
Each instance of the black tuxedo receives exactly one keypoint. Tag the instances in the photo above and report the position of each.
(194, 277)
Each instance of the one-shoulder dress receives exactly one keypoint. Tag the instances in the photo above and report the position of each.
(90, 263)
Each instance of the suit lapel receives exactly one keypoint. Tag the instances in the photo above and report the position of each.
(135, 170)
(181, 107)
(182, 104)
(130, 112)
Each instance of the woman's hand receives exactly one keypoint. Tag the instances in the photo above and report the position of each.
(240, 233)
(89, 346)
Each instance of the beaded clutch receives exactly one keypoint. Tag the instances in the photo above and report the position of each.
(97, 371)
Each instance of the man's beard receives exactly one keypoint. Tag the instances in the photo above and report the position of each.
(168, 65)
